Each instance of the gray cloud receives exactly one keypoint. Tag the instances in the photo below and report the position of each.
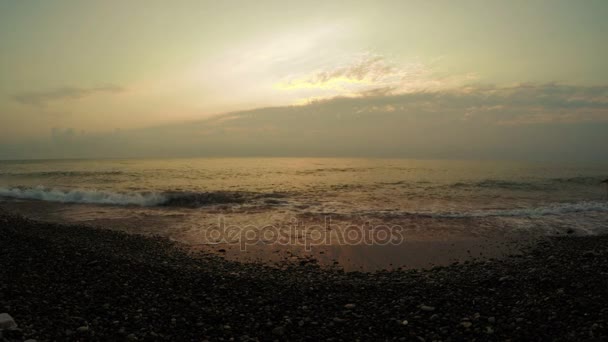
(41, 98)
(526, 121)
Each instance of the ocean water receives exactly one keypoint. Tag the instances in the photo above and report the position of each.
(441, 201)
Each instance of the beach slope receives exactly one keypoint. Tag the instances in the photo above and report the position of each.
(63, 282)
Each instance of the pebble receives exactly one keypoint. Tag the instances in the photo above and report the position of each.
(466, 324)
(7, 322)
(279, 331)
(427, 308)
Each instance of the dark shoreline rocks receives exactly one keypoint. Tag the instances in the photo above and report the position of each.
(75, 283)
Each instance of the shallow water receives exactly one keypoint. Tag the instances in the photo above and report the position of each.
(270, 209)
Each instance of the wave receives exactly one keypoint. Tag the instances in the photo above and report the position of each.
(550, 209)
(579, 180)
(553, 209)
(531, 185)
(45, 174)
(146, 199)
(84, 196)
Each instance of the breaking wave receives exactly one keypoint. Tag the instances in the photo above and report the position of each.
(553, 209)
(147, 199)
(550, 209)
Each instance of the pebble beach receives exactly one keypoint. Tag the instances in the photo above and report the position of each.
(76, 283)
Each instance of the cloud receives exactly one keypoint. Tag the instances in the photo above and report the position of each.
(370, 74)
(522, 121)
(42, 98)
(491, 104)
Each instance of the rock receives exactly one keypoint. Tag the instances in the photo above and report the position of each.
(489, 330)
(350, 306)
(13, 334)
(590, 254)
(131, 337)
(83, 329)
(466, 324)
(7, 322)
(492, 319)
(505, 278)
(427, 308)
(404, 322)
(279, 331)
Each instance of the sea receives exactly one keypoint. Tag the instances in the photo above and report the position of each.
(355, 214)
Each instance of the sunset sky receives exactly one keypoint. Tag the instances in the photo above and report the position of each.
(435, 79)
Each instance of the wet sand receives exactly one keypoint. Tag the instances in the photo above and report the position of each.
(419, 248)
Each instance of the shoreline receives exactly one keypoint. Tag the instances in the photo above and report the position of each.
(417, 248)
(68, 282)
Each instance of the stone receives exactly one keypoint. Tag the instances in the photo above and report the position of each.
(12, 334)
(279, 331)
(7, 322)
(590, 254)
(350, 306)
(427, 308)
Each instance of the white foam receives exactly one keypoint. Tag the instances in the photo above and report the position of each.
(552, 209)
(84, 196)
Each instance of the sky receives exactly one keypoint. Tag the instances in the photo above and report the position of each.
(422, 79)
